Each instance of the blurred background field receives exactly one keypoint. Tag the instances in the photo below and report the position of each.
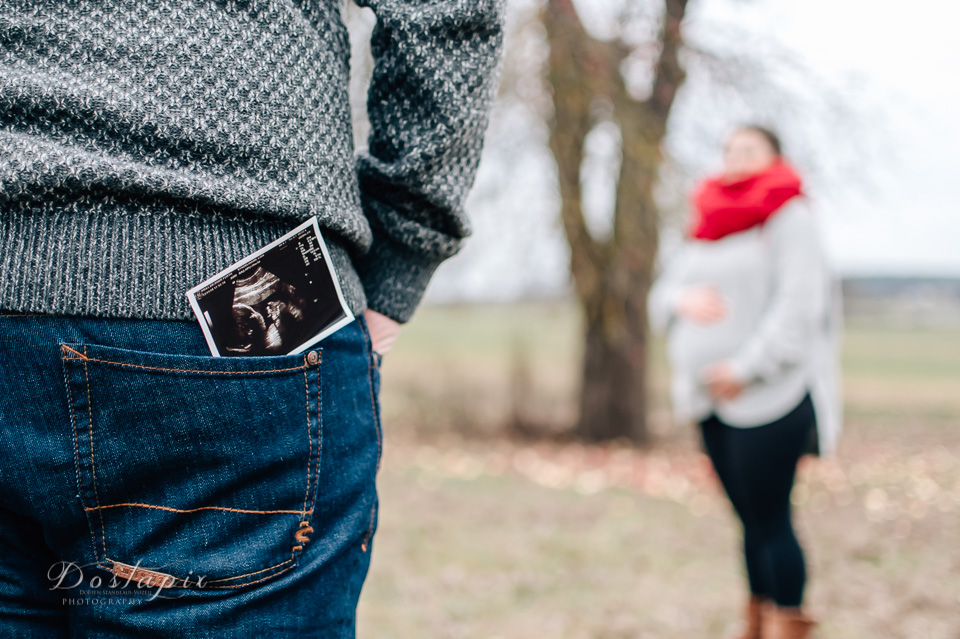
(495, 524)
(497, 521)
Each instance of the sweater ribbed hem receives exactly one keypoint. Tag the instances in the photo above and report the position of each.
(132, 265)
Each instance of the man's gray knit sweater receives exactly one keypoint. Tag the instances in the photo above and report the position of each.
(147, 144)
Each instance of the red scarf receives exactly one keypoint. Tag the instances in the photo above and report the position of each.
(724, 207)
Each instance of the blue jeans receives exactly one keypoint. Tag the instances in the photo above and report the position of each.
(150, 489)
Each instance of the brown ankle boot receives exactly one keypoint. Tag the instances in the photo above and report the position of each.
(786, 623)
(751, 627)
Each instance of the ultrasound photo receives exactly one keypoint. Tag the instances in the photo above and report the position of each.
(277, 301)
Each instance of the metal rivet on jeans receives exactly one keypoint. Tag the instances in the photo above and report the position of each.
(313, 357)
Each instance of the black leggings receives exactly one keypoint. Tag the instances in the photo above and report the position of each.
(756, 467)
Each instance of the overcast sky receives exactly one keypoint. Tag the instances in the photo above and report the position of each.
(902, 61)
(907, 56)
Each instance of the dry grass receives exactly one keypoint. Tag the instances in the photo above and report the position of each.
(483, 536)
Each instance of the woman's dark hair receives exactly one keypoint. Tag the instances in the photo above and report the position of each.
(772, 138)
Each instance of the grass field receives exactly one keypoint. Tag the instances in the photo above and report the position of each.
(484, 535)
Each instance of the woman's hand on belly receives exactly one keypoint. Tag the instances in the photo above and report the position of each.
(701, 304)
(722, 381)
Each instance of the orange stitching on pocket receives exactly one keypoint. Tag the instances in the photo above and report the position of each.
(305, 529)
(76, 453)
(192, 510)
(193, 370)
(255, 581)
(214, 581)
(248, 574)
(93, 465)
(316, 472)
(85, 358)
(306, 512)
(306, 388)
(64, 347)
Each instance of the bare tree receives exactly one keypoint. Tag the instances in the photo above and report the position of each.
(578, 83)
(611, 276)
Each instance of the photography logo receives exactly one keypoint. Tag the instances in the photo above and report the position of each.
(276, 301)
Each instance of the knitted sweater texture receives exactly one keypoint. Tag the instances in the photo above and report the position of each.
(147, 144)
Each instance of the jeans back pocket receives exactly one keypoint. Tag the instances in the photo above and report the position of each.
(198, 472)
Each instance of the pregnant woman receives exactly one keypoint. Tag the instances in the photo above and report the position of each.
(750, 310)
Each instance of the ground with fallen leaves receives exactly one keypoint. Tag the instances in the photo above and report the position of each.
(487, 534)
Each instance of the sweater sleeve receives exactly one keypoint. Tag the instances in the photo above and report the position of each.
(663, 296)
(786, 328)
(435, 75)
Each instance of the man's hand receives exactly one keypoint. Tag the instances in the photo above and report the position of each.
(722, 381)
(383, 330)
(701, 304)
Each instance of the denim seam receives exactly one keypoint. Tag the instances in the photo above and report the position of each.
(376, 417)
(305, 527)
(76, 453)
(255, 581)
(256, 572)
(190, 510)
(306, 387)
(368, 347)
(93, 466)
(84, 358)
(246, 583)
(316, 471)
(306, 513)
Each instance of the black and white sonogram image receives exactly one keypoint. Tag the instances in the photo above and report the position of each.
(277, 301)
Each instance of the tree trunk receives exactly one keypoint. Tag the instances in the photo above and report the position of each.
(612, 396)
(611, 278)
